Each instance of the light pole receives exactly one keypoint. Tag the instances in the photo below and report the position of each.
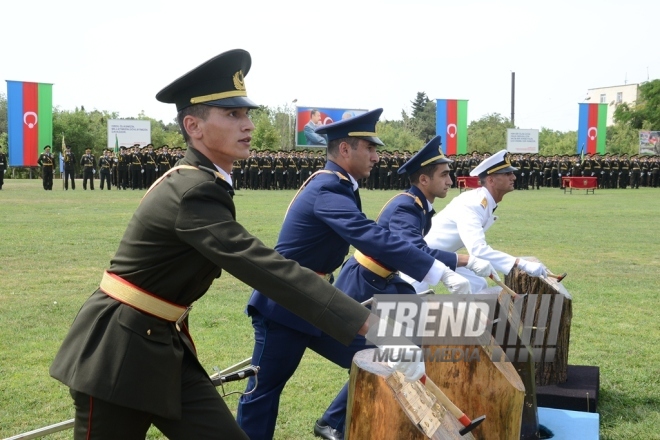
(290, 127)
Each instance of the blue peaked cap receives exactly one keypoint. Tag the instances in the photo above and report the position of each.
(431, 153)
(361, 126)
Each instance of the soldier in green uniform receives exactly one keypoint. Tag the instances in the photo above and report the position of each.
(105, 164)
(88, 164)
(129, 359)
(46, 162)
(69, 168)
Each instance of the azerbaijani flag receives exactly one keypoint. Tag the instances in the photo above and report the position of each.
(592, 128)
(30, 121)
(451, 124)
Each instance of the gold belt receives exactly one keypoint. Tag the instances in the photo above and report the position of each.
(126, 293)
(372, 265)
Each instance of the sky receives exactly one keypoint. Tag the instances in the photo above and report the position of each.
(365, 54)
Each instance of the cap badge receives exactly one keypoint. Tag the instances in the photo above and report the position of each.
(238, 78)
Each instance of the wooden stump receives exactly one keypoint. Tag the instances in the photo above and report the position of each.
(483, 387)
(555, 371)
(382, 406)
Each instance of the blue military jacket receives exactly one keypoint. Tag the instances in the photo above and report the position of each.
(320, 225)
(406, 215)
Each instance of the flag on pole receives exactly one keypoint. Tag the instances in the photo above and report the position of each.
(451, 124)
(592, 128)
(29, 121)
(116, 145)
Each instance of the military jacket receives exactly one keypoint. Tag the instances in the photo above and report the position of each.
(180, 238)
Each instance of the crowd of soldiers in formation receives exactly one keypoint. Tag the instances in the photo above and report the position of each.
(138, 167)
(289, 170)
(133, 168)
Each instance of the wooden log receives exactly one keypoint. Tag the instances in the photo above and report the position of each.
(483, 383)
(555, 371)
(383, 406)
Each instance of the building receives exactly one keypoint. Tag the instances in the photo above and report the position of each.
(613, 96)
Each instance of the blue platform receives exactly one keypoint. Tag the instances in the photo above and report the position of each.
(570, 425)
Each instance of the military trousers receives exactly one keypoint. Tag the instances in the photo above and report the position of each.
(204, 414)
(278, 350)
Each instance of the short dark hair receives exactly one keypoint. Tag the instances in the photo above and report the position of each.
(426, 170)
(200, 111)
(333, 146)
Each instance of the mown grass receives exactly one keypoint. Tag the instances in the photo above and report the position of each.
(56, 244)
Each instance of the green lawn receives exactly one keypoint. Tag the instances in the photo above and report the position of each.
(56, 244)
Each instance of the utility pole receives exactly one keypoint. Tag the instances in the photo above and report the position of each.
(513, 97)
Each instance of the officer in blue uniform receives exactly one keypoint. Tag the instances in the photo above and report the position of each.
(408, 214)
(322, 221)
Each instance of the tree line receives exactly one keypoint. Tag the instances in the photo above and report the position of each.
(274, 130)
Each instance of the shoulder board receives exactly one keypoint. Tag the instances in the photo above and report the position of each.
(484, 203)
(418, 202)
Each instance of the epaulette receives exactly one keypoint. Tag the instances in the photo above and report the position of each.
(484, 203)
(418, 202)
(214, 173)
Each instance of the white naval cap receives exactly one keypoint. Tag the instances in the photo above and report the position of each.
(496, 164)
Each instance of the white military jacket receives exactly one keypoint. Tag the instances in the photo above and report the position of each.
(463, 223)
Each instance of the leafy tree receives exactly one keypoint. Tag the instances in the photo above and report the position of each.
(645, 113)
(553, 142)
(488, 134)
(397, 136)
(419, 104)
(622, 139)
(265, 136)
(3, 113)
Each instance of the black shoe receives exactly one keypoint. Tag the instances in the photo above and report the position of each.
(323, 430)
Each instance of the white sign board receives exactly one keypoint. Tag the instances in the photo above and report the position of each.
(522, 141)
(128, 132)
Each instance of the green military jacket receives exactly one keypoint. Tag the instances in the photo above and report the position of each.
(180, 238)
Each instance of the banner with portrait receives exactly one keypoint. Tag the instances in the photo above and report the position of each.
(308, 118)
(649, 142)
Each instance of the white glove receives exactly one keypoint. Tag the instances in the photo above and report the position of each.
(410, 362)
(481, 267)
(93, 171)
(533, 269)
(142, 170)
(455, 283)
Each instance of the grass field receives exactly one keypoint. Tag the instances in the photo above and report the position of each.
(56, 244)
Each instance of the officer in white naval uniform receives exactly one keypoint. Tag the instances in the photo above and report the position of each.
(465, 220)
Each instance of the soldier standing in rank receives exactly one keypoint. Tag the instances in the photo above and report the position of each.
(654, 169)
(136, 168)
(279, 165)
(383, 166)
(395, 164)
(164, 160)
(46, 162)
(525, 170)
(3, 167)
(535, 173)
(624, 172)
(292, 171)
(252, 166)
(564, 167)
(635, 172)
(597, 168)
(69, 168)
(605, 172)
(645, 171)
(122, 168)
(149, 162)
(88, 164)
(267, 170)
(105, 165)
(237, 174)
(614, 174)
